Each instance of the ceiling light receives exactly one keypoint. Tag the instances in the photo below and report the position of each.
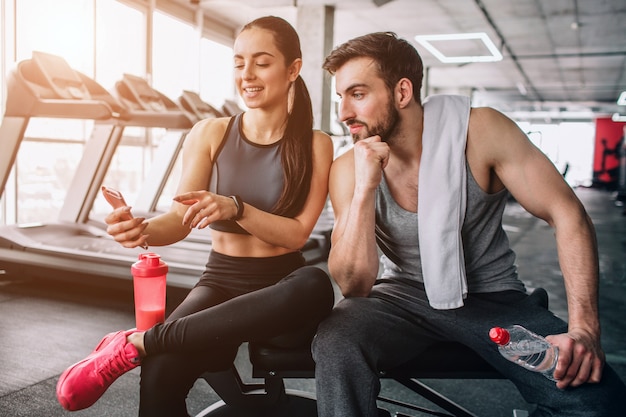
(459, 41)
(622, 99)
(618, 117)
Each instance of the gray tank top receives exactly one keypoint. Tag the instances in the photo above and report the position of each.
(252, 171)
(489, 260)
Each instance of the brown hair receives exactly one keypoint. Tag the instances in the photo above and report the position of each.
(395, 58)
(297, 144)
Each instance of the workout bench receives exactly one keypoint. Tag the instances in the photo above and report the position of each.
(445, 360)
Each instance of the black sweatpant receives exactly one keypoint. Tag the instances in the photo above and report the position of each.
(236, 300)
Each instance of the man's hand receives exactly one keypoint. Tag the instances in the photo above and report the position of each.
(371, 156)
(581, 358)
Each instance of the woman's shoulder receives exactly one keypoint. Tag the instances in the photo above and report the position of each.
(207, 134)
(320, 136)
(322, 141)
(209, 129)
(211, 125)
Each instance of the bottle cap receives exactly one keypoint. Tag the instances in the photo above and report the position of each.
(499, 335)
(149, 265)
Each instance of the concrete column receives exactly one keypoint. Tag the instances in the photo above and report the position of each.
(315, 26)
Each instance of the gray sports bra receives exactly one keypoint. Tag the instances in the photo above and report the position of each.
(252, 171)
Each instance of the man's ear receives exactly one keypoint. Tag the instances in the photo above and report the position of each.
(404, 92)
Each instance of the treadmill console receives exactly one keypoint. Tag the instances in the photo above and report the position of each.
(192, 102)
(140, 92)
(231, 108)
(46, 86)
(59, 76)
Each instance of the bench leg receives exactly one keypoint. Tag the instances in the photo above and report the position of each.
(434, 397)
(294, 403)
(232, 390)
(271, 399)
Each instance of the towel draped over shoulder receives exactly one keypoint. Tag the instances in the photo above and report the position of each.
(442, 197)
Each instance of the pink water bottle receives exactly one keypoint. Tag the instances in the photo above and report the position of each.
(149, 282)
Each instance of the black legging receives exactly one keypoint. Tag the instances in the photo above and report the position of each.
(236, 300)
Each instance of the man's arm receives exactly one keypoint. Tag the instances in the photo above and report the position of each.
(353, 260)
(497, 143)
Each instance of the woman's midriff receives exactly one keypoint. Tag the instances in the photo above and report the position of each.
(233, 244)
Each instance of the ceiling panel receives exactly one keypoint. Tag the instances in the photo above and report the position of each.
(561, 53)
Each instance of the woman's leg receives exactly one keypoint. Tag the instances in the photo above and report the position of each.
(167, 378)
(208, 336)
(204, 332)
(303, 298)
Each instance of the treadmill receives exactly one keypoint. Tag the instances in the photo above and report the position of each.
(74, 247)
(198, 108)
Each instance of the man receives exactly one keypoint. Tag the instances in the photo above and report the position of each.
(427, 184)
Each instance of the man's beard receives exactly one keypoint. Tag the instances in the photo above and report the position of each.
(386, 128)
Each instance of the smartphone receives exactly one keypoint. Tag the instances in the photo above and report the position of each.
(116, 200)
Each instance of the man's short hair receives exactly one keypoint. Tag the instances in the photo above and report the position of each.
(395, 58)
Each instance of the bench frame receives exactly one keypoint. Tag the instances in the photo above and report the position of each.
(444, 360)
(242, 399)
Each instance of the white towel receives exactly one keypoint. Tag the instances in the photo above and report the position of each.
(442, 199)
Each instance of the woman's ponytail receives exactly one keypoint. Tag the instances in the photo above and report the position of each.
(296, 154)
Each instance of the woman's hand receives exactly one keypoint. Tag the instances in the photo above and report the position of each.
(125, 229)
(205, 207)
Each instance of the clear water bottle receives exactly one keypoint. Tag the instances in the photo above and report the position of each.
(521, 346)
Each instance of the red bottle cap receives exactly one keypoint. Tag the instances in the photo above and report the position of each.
(499, 335)
(149, 265)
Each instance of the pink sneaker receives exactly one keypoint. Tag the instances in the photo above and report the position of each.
(107, 339)
(83, 383)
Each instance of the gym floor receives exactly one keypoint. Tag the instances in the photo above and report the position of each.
(46, 325)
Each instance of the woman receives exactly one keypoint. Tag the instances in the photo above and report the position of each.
(266, 172)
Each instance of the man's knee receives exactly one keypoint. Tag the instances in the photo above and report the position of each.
(323, 341)
(606, 399)
(337, 337)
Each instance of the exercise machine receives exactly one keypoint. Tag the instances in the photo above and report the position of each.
(75, 246)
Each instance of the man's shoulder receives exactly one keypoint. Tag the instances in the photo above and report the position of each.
(446, 102)
(486, 119)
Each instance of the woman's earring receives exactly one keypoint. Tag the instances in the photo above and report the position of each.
(290, 98)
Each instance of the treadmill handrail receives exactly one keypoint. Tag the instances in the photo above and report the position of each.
(166, 119)
(79, 109)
